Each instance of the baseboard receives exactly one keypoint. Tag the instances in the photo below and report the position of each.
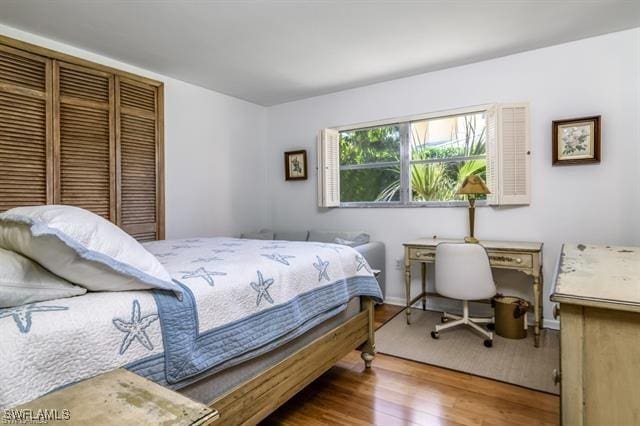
(443, 304)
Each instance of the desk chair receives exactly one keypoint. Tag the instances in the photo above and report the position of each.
(463, 273)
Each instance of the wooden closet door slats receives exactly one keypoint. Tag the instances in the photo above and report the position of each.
(25, 108)
(138, 161)
(22, 71)
(79, 133)
(137, 96)
(85, 169)
(86, 139)
(79, 84)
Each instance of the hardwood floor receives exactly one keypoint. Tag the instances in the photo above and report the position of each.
(401, 392)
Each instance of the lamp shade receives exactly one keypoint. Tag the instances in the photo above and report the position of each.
(473, 185)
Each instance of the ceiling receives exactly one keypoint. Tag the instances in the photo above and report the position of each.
(270, 52)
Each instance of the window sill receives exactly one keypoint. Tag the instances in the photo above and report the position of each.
(360, 205)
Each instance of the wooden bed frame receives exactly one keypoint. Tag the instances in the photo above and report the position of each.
(255, 399)
(258, 397)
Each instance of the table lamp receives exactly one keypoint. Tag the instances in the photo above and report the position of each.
(472, 186)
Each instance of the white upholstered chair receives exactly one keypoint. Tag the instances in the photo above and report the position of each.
(463, 272)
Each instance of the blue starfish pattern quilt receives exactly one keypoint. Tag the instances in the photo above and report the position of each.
(242, 299)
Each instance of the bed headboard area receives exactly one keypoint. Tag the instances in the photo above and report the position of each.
(79, 133)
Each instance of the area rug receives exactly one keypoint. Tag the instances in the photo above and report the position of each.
(512, 361)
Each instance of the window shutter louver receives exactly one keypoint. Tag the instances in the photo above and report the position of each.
(140, 153)
(25, 133)
(492, 155)
(85, 139)
(514, 154)
(329, 168)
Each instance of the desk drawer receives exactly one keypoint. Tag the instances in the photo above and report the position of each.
(517, 260)
(422, 254)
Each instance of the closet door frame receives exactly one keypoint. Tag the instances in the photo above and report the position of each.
(47, 96)
(158, 117)
(58, 99)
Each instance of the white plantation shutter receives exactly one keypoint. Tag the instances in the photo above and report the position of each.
(329, 168)
(515, 154)
(508, 155)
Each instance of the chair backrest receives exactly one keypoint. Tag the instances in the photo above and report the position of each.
(463, 272)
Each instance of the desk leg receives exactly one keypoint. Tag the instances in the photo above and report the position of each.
(407, 286)
(423, 270)
(537, 309)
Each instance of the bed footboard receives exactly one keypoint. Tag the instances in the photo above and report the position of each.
(257, 398)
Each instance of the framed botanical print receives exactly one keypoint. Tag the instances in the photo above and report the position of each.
(576, 141)
(295, 165)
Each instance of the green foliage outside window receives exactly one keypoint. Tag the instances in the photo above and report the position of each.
(432, 181)
(376, 145)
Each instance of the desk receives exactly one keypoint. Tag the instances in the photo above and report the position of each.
(525, 257)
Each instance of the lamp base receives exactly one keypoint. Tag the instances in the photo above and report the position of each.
(471, 240)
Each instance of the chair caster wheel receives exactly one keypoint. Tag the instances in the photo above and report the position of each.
(491, 326)
(488, 343)
(435, 335)
(444, 319)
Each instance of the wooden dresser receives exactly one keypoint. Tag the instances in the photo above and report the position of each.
(598, 291)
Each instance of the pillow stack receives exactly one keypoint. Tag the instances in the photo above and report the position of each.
(75, 245)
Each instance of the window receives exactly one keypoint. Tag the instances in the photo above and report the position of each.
(413, 162)
(370, 164)
(421, 160)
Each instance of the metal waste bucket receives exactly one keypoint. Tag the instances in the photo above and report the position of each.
(511, 316)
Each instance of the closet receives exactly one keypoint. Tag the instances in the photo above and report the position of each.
(79, 133)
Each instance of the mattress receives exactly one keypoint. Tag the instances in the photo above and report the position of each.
(243, 298)
(210, 387)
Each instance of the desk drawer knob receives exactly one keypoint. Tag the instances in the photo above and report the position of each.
(519, 260)
(423, 254)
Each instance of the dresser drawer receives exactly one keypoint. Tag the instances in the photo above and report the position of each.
(422, 254)
(517, 260)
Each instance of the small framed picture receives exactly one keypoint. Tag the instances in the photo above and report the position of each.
(295, 165)
(576, 141)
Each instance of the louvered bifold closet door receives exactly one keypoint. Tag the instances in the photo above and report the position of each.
(25, 132)
(85, 139)
(139, 154)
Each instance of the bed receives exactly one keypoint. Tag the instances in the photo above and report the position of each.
(83, 134)
(258, 321)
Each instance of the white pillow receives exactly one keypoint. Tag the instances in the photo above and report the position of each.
(82, 248)
(23, 281)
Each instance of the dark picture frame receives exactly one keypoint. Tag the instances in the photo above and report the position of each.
(295, 165)
(576, 141)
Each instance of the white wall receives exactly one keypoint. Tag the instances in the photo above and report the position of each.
(590, 203)
(214, 152)
(223, 175)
